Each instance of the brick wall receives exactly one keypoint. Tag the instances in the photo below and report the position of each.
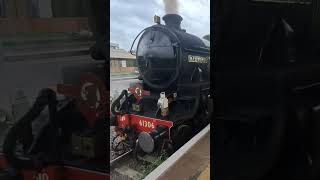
(50, 25)
(115, 67)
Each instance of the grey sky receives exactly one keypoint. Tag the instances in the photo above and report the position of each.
(129, 17)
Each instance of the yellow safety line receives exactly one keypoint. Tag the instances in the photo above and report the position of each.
(205, 175)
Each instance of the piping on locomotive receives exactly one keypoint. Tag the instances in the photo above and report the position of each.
(172, 101)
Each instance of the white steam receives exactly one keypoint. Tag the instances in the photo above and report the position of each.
(171, 6)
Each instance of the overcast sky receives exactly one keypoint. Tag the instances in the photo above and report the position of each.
(129, 17)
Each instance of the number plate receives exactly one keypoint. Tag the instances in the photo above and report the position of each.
(198, 59)
(142, 123)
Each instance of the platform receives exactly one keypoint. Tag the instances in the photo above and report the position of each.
(191, 161)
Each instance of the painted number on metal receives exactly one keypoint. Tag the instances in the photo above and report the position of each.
(146, 124)
(41, 176)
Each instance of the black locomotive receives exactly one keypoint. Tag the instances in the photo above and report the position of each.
(171, 103)
(266, 79)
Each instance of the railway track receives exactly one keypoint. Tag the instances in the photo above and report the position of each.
(176, 166)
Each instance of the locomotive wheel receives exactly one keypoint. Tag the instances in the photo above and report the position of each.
(200, 123)
(183, 134)
(137, 152)
(170, 149)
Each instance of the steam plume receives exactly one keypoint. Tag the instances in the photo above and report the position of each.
(171, 6)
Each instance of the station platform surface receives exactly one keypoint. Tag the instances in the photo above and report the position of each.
(205, 175)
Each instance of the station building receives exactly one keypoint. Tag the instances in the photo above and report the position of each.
(121, 61)
(24, 16)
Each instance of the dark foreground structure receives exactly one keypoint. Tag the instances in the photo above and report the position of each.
(266, 75)
(63, 134)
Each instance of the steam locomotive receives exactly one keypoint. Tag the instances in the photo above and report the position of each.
(172, 101)
(266, 79)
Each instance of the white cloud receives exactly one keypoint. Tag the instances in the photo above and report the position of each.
(128, 18)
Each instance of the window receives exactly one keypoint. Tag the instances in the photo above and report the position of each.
(123, 63)
(2, 8)
(131, 63)
(71, 8)
(34, 8)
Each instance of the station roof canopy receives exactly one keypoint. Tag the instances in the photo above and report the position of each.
(120, 54)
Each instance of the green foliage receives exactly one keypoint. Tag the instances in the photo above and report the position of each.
(149, 167)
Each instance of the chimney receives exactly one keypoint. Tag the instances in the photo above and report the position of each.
(173, 21)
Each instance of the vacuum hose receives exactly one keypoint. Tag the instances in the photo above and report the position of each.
(117, 104)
